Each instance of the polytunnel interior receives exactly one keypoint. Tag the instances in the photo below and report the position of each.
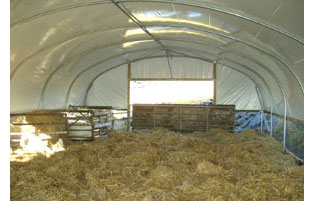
(78, 52)
(72, 67)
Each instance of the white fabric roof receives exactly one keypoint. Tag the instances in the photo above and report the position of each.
(74, 52)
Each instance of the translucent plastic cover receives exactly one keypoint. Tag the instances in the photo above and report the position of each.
(64, 52)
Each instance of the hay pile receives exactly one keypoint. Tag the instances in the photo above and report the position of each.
(46, 120)
(163, 165)
(47, 123)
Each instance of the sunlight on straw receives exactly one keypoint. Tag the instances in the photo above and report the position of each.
(32, 144)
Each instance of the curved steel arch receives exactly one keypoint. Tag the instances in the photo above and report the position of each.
(225, 11)
(285, 112)
(277, 81)
(261, 49)
(127, 53)
(86, 53)
(13, 25)
(45, 85)
(214, 8)
(184, 56)
(238, 64)
(244, 56)
(276, 78)
(111, 68)
(61, 43)
(79, 74)
(78, 57)
(247, 44)
(93, 65)
(98, 48)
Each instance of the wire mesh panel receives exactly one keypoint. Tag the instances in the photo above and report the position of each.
(294, 142)
(295, 138)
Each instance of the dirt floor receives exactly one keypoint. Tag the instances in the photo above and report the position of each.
(163, 165)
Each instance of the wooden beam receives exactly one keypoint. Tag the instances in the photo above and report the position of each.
(91, 107)
(215, 83)
(171, 79)
(247, 110)
(128, 95)
(92, 124)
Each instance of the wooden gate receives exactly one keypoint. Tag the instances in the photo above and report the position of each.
(183, 117)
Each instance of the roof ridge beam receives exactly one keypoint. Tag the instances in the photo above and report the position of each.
(136, 21)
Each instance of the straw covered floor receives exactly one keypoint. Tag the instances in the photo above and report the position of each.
(163, 165)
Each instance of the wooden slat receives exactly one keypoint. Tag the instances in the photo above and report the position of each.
(91, 107)
(171, 79)
(28, 124)
(247, 111)
(183, 116)
(80, 129)
(79, 117)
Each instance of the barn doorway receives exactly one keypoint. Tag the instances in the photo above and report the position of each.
(172, 92)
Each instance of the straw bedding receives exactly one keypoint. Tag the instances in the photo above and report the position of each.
(163, 165)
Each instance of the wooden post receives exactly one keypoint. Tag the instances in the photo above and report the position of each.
(67, 125)
(180, 118)
(92, 125)
(154, 112)
(207, 119)
(215, 83)
(128, 96)
(99, 121)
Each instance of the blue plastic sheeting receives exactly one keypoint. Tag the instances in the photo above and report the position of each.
(253, 120)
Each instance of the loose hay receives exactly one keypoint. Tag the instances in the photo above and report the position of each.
(163, 165)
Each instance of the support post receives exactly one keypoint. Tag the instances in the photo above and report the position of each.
(180, 118)
(214, 82)
(271, 119)
(99, 121)
(67, 125)
(208, 119)
(285, 128)
(128, 96)
(154, 112)
(92, 125)
(261, 121)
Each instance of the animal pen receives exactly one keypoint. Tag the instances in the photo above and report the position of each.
(77, 134)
